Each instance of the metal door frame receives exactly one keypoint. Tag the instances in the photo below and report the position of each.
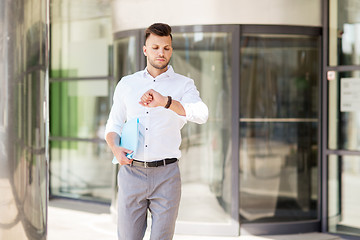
(296, 226)
(325, 100)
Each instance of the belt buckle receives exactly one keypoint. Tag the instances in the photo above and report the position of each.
(164, 161)
(146, 165)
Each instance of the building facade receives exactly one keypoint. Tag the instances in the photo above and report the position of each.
(280, 153)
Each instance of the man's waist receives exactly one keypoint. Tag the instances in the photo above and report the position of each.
(146, 155)
(156, 163)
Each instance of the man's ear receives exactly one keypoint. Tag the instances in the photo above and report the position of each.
(144, 50)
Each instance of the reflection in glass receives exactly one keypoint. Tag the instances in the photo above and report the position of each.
(125, 57)
(81, 170)
(278, 128)
(81, 48)
(23, 120)
(344, 123)
(81, 37)
(344, 25)
(343, 194)
(206, 157)
(79, 109)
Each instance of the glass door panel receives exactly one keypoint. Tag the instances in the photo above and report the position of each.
(75, 170)
(344, 138)
(343, 194)
(344, 40)
(344, 114)
(80, 90)
(206, 153)
(79, 109)
(279, 85)
(125, 57)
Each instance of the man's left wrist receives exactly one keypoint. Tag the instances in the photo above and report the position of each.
(168, 102)
(164, 102)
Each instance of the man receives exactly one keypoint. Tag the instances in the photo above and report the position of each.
(163, 101)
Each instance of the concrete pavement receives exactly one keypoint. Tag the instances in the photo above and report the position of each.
(69, 219)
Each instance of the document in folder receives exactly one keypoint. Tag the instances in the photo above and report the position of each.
(129, 137)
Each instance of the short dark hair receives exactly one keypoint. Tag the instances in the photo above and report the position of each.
(160, 29)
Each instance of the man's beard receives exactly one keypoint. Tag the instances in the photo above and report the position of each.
(159, 66)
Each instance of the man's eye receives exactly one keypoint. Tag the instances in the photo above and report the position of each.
(155, 48)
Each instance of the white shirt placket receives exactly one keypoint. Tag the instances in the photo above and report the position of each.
(147, 132)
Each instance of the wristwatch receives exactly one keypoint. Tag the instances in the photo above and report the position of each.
(168, 102)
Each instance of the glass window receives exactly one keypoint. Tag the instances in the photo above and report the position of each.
(80, 45)
(344, 111)
(81, 170)
(80, 90)
(206, 149)
(33, 37)
(79, 109)
(279, 85)
(344, 27)
(343, 194)
(125, 60)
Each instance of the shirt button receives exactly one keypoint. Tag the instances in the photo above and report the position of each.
(154, 80)
(145, 145)
(147, 129)
(147, 112)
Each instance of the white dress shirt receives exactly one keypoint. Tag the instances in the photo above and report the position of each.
(160, 135)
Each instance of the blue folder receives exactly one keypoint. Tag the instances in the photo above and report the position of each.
(129, 137)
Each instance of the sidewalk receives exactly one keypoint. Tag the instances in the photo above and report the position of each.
(70, 219)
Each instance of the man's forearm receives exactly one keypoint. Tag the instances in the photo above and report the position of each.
(177, 107)
(112, 139)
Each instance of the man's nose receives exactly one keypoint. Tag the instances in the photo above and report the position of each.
(161, 52)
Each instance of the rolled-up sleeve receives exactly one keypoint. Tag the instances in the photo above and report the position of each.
(195, 109)
(117, 114)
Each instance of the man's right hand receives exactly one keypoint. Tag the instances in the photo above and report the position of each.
(120, 154)
(112, 140)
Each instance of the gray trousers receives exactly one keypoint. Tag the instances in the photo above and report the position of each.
(157, 189)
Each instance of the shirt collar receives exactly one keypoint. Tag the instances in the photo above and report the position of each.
(169, 72)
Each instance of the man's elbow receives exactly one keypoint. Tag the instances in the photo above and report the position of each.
(203, 116)
(197, 112)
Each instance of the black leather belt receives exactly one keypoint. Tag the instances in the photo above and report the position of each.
(159, 163)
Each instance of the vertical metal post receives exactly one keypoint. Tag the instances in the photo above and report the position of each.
(324, 102)
(235, 124)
